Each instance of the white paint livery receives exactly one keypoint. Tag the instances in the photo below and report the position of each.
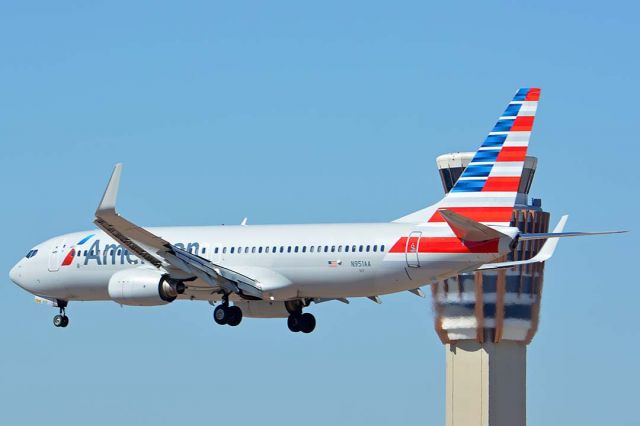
(267, 271)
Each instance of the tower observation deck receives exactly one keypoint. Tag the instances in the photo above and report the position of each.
(486, 319)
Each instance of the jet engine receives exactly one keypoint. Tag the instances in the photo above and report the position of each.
(143, 287)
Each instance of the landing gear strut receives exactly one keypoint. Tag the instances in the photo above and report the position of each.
(227, 315)
(61, 320)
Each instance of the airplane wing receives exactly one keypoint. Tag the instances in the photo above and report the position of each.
(161, 253)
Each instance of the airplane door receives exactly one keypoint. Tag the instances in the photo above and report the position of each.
(56, 254)
(413, 242)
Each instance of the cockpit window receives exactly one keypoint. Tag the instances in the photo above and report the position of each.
(31, 253)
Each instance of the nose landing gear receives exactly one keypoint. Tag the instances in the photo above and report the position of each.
(61, 320)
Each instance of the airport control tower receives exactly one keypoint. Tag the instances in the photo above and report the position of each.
(486, 320)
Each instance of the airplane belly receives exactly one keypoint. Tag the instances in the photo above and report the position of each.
(72, 285)
(360, 279)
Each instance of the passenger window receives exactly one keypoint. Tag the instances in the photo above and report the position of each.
(246, 249)
(353, 249)
(259, 249)
(274, 249)
(382, 248)
(281, 249)
(232, 250)
(333, 249)
(204, 250)
(368, 248)
(339, 249)
(311, 249)
(346, 249)
(224, 250)
(266, 249)
(319, 249)
(289, 249)
(304, 249)
(216, 250)
(326, 249)
(253, 250)
(295, 249)
(375, 248)
(361, 248)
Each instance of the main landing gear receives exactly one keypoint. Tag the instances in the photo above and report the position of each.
(61, 320)
(227, 315)
(298, 321)
(301, 322)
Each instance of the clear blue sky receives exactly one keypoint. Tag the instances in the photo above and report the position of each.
(298, 112)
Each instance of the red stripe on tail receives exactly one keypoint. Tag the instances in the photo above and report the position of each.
(479, 214)
(501, 184)
(533, 95)
(523, 123)
(512, 153)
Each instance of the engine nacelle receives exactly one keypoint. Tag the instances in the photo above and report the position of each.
(142, 287)
(262, 309)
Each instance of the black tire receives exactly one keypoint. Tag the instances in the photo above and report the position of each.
(58, 321)
(221, 314)
(235, 316)
(65, 321)
(294, 322)
(308, 323)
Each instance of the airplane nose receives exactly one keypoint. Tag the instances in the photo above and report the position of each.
(15, 275)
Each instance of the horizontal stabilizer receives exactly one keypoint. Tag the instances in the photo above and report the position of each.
(543, 236)
(544, 254)
(468, 229)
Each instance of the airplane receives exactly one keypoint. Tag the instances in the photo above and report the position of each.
(276, 271)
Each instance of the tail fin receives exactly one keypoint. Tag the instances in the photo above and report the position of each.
(487, 189)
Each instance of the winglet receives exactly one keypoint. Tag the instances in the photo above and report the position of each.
(108, 202)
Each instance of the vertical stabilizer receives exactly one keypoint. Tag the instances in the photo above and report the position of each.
(487, 189)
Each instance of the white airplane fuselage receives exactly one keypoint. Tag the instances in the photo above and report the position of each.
(311, 261)
(278, 270)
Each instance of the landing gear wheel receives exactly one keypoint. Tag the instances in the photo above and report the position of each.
(221, 314)
(294, 322)
(61, 320)
(308, 323)
(58, 320)
(235, 316)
